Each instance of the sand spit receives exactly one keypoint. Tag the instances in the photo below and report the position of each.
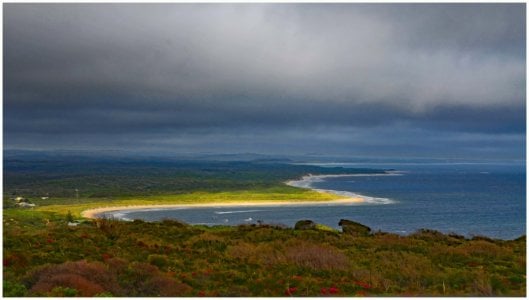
(94, 213)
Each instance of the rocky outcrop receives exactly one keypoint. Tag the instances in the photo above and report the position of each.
(351, 227)
(304, 225)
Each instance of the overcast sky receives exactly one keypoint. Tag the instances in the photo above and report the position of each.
(430, 80)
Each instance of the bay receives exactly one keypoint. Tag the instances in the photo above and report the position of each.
(465, 198)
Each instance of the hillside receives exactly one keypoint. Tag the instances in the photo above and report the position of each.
(45, 257)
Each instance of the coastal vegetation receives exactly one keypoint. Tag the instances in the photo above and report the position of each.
(43, 256)
(70, 178)
(48, 250)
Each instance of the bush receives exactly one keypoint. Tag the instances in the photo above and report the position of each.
(317, 257)
(64, 285)
(62, 292)
(158, 260)
(146, 280)
(14, 289)
(164, 286)
(175, 223)
(69, 217)
(113, 229)
(87, 278)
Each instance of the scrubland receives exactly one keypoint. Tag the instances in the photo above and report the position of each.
(45, 257)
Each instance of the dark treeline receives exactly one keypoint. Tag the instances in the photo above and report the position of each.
(91, 177)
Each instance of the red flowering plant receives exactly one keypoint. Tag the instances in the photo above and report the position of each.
(329, 291)
(290, 291)
(362, 284)
(106, 256)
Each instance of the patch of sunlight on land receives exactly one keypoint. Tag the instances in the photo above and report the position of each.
(273, 194)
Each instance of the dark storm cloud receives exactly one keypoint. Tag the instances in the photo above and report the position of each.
(179, 70)
(485, 28)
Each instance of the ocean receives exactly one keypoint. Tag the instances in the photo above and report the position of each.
(466, 198)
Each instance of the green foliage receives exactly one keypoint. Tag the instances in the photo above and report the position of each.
(14, 289)
(69, 217)
(158, 260)
(64, 179)
(62, 292)
(172, 259)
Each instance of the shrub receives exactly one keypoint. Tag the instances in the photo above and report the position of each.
(55, 285)
(175, 223)
(164, 286)
(146, 280)
(242, 250)
(485, 249)
(429, 235)
(158, 260)
(482, 285)
(89, 278)
(317, 257)
(62, 292)
(117, 265)
(456, 236)
(69, 217)
(482, 238)
(113, 229)
(265, 253)
(12, 289)
(207, 241)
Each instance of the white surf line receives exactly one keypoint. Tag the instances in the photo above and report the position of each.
(307, 181)
(236, 211)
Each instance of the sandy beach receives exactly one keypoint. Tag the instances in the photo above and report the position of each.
(93, 213)
(304, 182)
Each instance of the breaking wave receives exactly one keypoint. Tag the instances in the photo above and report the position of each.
(236, 211)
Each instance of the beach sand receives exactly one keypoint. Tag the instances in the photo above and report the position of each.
(93, 213)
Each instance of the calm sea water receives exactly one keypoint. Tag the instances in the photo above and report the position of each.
(465, 198)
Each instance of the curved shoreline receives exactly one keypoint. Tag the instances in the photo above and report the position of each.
(305, 182)
(308, 180)
(95, 212)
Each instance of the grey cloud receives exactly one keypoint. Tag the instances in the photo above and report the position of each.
(322, 52)
(172, 68)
